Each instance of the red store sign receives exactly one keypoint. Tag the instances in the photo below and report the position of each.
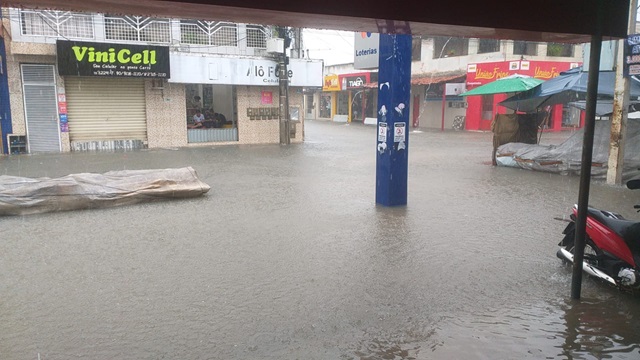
(355, 81)
(483, 73)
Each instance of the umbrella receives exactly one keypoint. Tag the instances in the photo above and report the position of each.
(513, 83)
(567, 87)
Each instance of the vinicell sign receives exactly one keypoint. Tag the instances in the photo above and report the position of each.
(80, 58)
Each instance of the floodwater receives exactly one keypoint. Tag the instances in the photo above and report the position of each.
(288, 257)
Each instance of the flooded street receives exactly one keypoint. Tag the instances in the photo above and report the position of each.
(288, 257)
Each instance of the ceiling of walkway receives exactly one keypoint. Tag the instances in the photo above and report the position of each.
(542, 20)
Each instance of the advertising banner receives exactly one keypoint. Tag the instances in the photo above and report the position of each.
(81, 58)
(331, 83)
(484, 73)
(632, 55)
(198, 69)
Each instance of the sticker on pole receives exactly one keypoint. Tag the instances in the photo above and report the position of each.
(399, 132)
(382, 131)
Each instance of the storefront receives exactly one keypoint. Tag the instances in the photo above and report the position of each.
(239, 97)
(348, 97)
(358, 99)
(482, 109)
(103, 103)
(85, 96)
(329, 97)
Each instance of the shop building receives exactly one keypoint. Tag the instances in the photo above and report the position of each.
(82, 81)
(347, 97)
(439, 74)
(482, 109)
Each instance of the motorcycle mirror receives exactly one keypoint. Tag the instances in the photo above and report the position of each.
(633, 184)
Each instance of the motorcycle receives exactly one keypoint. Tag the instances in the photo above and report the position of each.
(612, 246)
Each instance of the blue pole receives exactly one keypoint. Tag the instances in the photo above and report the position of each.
(392, 149)
(5, 105)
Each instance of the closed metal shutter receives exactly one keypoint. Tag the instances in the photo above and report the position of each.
(101, 109)
(41, 108)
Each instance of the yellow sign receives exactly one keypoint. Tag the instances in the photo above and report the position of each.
(331, 83)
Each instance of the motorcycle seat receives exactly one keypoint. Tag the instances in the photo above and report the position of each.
(623, 227)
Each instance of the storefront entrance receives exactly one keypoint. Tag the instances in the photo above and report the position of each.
(41, 108)
(211, 113)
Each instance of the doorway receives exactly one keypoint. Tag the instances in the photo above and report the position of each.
(40, 108)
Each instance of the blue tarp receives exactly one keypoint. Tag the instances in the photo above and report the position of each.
(569, 86)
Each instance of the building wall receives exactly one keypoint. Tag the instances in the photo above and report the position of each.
(166, 108)
(166, 115)
(28, 53)
(264, 131)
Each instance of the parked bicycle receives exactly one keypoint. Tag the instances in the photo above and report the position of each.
(458, 122)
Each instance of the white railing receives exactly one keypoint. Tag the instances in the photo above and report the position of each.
(45, 26)
(52, 23)
(137, 29)
(212, 33)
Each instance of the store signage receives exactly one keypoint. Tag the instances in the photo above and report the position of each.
(331, 83)
(267, 98)
(198, 69)
(355, 81)
(483, 73)
(367, 48)
(80, 58)
(632, 55)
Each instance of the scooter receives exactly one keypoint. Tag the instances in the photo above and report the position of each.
(612, 246)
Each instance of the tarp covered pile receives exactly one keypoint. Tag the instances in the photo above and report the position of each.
(566, 158)
(21, 196)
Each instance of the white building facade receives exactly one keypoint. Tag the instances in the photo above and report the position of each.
(82, 81)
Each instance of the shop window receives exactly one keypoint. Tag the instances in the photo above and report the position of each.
(214, 105)
(416, 48)
(343, 103)
(488, 46)
(370, 103)
(555, 49)
(325, 106)
(449, 46)
(525, 48)
(487, 107)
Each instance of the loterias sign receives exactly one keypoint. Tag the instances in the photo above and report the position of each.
(80, 58)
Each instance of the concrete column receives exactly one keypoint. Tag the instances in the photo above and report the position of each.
(620, 109)
(394, 86)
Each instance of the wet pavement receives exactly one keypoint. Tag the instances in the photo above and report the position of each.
(288, 257)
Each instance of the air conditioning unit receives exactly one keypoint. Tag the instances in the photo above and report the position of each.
(275, 45)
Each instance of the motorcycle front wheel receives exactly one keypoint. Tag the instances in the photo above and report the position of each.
(591, 252)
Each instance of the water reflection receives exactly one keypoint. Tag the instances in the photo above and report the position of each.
(600, 328)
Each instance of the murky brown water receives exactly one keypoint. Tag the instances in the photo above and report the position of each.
(288, 257)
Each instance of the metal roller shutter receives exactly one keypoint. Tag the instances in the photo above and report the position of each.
(41, 108)
(101, 109)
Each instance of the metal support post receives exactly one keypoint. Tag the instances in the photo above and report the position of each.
(587, 156)
(285, 125)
